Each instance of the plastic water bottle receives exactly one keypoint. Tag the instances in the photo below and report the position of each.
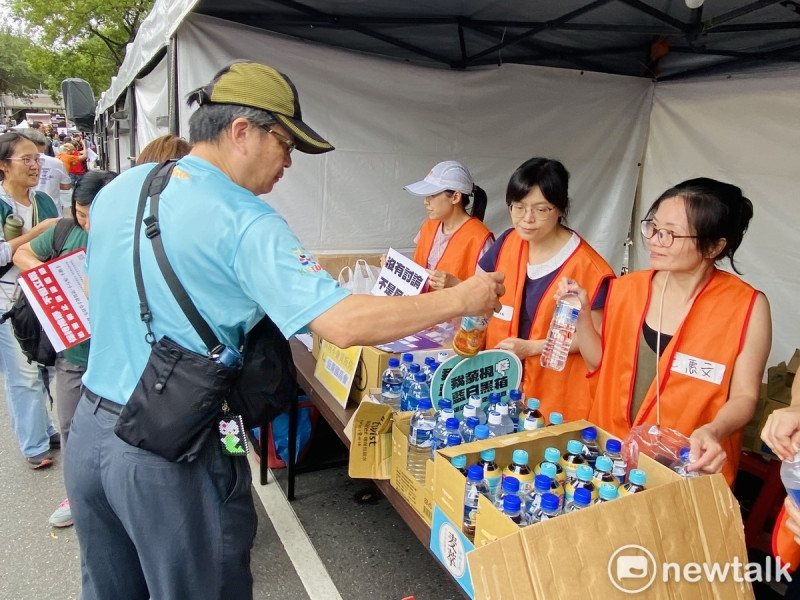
(620, 469)
(440, 431)
(391, 382)
(426, 366)
(442, 356)
(481, 432)
(475, 400)
(515, 407)
(636, 481)
(520, 470)
(452, 427)
(420, 437)
(491, 472)
(493, 399)
(590, 448)
(582, 499)
(679, 466)
(432, 371)
(606, 493)
(553, 456)
(460, 463)
(408, 358)
(790, 476)
(496, 425)
(476, 485)
(602, 472)
(583, 479)
(512, 506)
(468, 429)
(548, 509)
(469, 411)
(442, 404)
(510, 486)
(418, 390)
(572, 459)
(541, 486)
(532, 413)
(413, 369)
(549, 470)
(453, 439)
(562, 330)
(556, 418)
(505, 419)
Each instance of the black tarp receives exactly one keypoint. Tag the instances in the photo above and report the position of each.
(79, 102)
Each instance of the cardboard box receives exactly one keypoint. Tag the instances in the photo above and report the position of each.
(676, 520)
(751, 439)
(419, 496)
(371, 441)
(334, 263)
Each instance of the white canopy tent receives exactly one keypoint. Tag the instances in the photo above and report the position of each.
(391, 120)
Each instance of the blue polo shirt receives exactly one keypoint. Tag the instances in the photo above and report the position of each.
(232, 252)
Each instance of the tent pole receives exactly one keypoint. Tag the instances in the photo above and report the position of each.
(172, 91)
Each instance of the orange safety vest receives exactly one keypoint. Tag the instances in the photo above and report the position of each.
(712, 333)
(463, 251)
(564, 391)
(783, 542)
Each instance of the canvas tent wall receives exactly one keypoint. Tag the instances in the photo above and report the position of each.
(391, 121)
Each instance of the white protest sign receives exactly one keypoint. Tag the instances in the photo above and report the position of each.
(400, 276)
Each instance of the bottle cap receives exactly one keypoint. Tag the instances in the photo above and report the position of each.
(556, 418)
(502, 408)
(472, 422)
(684, 455)
(519, 457)
(574, 447)
(424, 404)
(515, 395)
(541, 483)
(413, 368)
(511, 503)
(442, 356)
(584, 473)
(481, 432)
(445, 403)
(530, 423)
(552, 454)
(550, 502)
(494, 397)
(469, 411)
(582, 496)
(589, 434)
(613, 446)
(433, 366)
(394, 363)
(419, 376)
(459, 462)
(454, 439)
(488, 455)
(510, 485)
(448, 413)
(429, 360)
(452, 423)
(608, 491)
(637, 477)
(475, 473)
(533, 403)
(495, 418)
(408, 357)
(548, 469)
(475, 400)
(604, 464)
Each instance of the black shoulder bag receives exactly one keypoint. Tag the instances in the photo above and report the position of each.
(180, 392)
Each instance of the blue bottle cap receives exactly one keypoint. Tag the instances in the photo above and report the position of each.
(533, 403)
(429, 360)
(515, 395)
(550, 502)
(419, 376)
(511, 503)
(494, 397)
(589, 434)
(684, 455)
(584, 473)
(413, 368)
(452, 423)
(613, 446)
(582, 496)
(475, 473)
(433, 366)
(519, 457)
(542, 483)
(424, 404)
(510, 485)
(408, 357)
(574, 447)
(604, 464)
(473, 422)
(454, 439)
(608, 491)
(488, 455)
(556, 418)
(445, 403)
(552, 454)
(637, 477)
(481, 431)
(394, 363)
(549, 470)
(459, 462)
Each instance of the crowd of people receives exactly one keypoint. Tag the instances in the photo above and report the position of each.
(631, 333)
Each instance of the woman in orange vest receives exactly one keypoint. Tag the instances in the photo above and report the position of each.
(782, 434)
(699, 334)
(452, 240)
(534, 254)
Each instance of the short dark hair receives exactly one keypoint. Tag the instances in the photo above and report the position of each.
(209, 121)
(8, 143)
(548, 175)
(715, 210)
(87, 188)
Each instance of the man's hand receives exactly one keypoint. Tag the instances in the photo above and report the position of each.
(480, 294)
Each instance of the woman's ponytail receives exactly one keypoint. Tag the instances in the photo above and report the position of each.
(479, 201)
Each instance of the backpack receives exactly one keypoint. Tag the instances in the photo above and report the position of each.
(29, 333)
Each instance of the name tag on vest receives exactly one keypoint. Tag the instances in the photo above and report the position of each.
(698, 368)
(505, 313)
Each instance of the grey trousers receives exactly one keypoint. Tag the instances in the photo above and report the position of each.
(150, 528)
(66, 393)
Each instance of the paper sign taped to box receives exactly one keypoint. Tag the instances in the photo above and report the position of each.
(400, 276)
(335, 369)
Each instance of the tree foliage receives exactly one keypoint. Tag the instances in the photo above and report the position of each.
(15, 75)
(81, 38)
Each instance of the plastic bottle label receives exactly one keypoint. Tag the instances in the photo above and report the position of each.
(420, 437)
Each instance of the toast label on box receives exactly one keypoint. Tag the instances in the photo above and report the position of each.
(488, 371)
(335, 369)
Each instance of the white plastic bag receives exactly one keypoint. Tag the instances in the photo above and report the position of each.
(360, 280)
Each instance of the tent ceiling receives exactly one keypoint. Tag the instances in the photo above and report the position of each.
(626, 37)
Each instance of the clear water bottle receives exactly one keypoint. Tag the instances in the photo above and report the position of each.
(476, 485)
(452, 427)
(790, 476)
(679, 466)
(512, 508)
(418, 390)
(508, 424)
(582, 499)
(442, 356)
(613, 451)
(441, 405)
(548, 509)
(432, 371)
(532, 413)
(541, 486)
(391, 383)
(556, 418)
(550, 470)
(491, 472)
(606, 493)
(475, 400)
(454, 439)
(405, 405)
(408, 358)
(482, 432)
(510, 485)
(636, 482)
(460, 463)
(440, 431)
(468, 429)
(590, 448)
(515, 407)
(426, 367)
(562, 330)
(496, 425)
(493, 399)
(469, 411)
(420, 437)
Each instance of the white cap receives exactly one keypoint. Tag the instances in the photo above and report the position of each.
(447, 175)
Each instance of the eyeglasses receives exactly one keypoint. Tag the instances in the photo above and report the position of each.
(665, 236)
(287, 143)
(29, 161)
(540, 213)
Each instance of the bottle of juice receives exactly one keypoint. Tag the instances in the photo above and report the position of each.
(520, 470)
(602, 472)
(572, 459)
(636, 480)
(549, 470)
(553, 456)
(491, 472)
(608, 492)
(460, 463)
(532, 412)
(620, 469)
(583, 479)
(556, 418)
(471, 336)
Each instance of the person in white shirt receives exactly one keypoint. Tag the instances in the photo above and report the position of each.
(53, 177)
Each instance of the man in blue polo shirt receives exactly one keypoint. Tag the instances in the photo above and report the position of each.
(148, 527)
